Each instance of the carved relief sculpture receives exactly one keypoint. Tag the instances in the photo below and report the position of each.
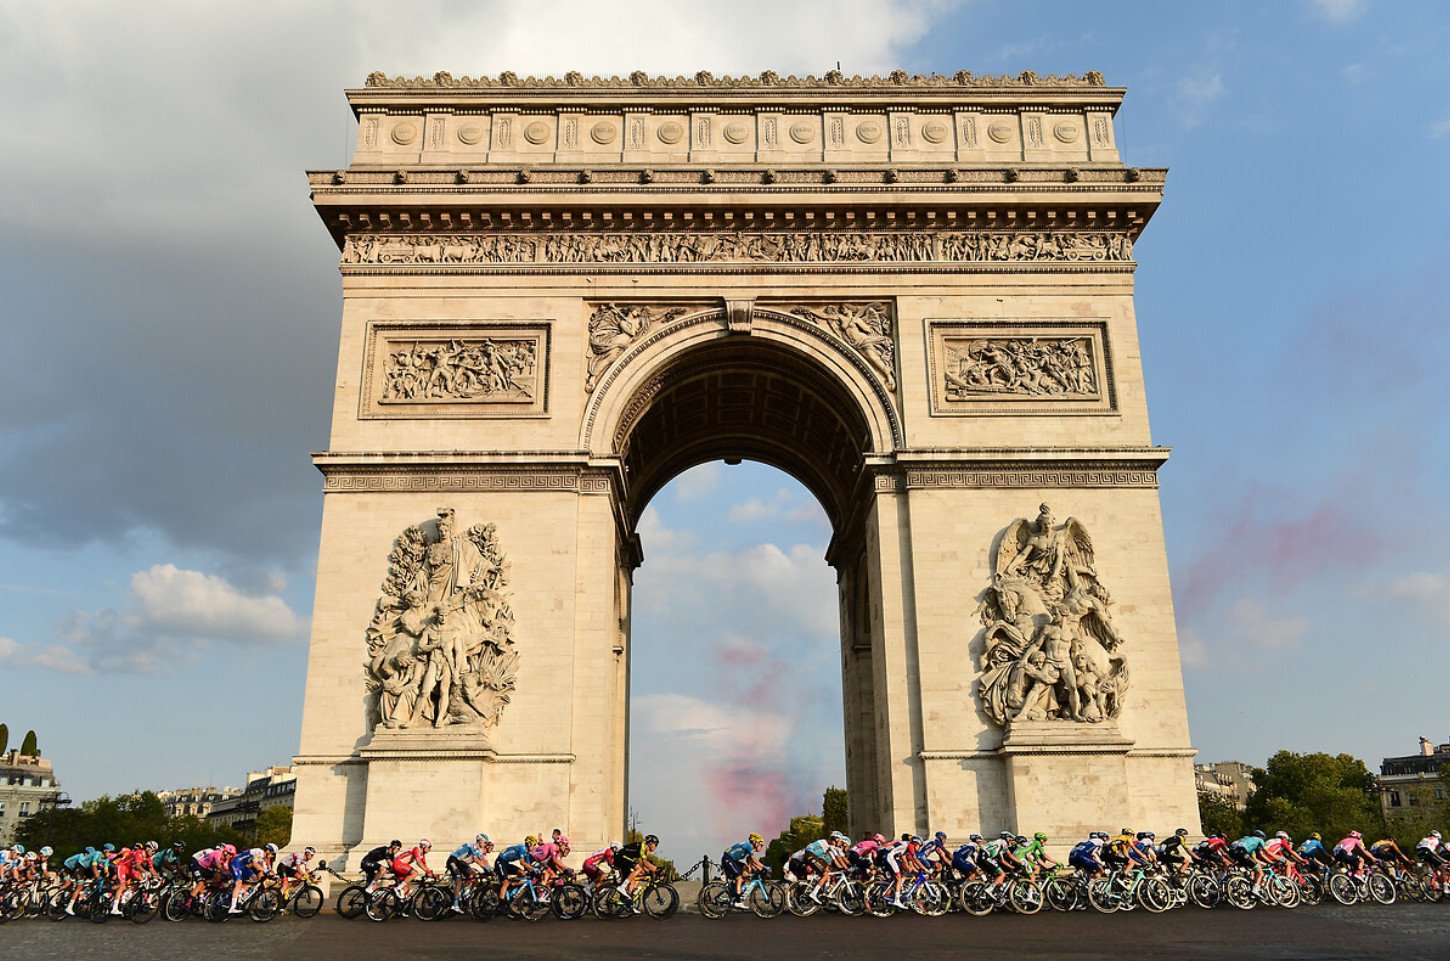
(440, 645)
(613, 327)
(755, 247)
(1050, 649)
(1058, 366)
(866, 327)
(497, 371)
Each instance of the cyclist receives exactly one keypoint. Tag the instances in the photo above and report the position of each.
(1086, 854)
(465, 860)
(1173, 852)
(406, 863)
(1312, 851)
(43, 869)
(168, 863)
(632, 862)
(934, 852)
(512, 862)
(964, 858)
(901, 857)
(131, 864)
(1116, 850)
(1249, 852)
(207, 865)
(995, 859)
(549, 856)
(823, 855)
(1033, 854)
(1386, 849)
(1351, 851)
(598, 865)
(1281, 847)
(1143, 851)
(863, 853)
(246, 868)
(1431, 852)
(295, 866)
(376, 860)
(1212, 851)
(737, 860)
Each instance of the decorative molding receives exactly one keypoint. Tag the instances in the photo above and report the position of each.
(739, 314)
(691, 249)
(403, 479)
(1048, 367)
(768, 79)
(455, 369)
(1091, 474)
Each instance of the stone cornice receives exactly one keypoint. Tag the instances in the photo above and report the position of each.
(767, 80)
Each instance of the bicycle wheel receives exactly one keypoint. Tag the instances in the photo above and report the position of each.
(308, 901)
(1063, 894)
(381, 906)
(849, 899)
(352, 901)
(100, 910)
(767, 899)
(879, 901)
(176, 906)
(1204, 891)
(1026, 896)
(715, 900)
(1311, 889)
(661, 901)
(1153, 895)
(1103, 896)
(528, 905)
(798, 900)
(976, 899)
(141, 909)
(1343, 889)
(55, 906)
(1382, 889)
(265, 906)
(1283, 891)
(933, 901)
(569, 902)
(1239, 891)
(430, 904)
(610, 904)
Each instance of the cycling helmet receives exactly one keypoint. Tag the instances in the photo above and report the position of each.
(562, 840)
(272, 849)
(1260, 834)
(46, 851)
(32, 856)
(879, 838)
(652, 839)
(395, 843)
(1356, 835)
(1219, 835)
(90, 850)
(110, 848)
(614, 845)
(531, 841)
(1315, 836)
(914, 839)
(1142, 835)
(1126, 831)
(19, 849)
(1149, 835)
(974, 837)
(152, 846)
(756, 840)
(1433, 834)
(941, 835)
(840, 838)
(422, 843)
(1020, 839)
(308, 851)
(178, 846)
(1040, 836)
(1006, 836)
(1390, 838)
(483, 839)
(1181, 832)
(229, 850)
(1282, 835)
(906, 835)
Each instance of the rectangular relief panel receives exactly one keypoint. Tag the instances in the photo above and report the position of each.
(442, 369)
(1037, 367)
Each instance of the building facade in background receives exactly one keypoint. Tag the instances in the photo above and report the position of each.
(1231, 780)
(27, 785)
(1412, 781)
(195, 801)
(267, 788)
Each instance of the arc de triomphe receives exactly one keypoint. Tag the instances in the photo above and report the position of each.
(914, 294)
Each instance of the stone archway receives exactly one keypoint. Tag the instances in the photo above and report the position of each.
(914, 294)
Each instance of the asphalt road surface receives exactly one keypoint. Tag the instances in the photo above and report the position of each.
(1405, 932)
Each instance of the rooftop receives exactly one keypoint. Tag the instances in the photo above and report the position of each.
(768, 79)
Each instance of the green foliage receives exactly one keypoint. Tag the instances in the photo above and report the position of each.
(273, 826)
(1302, 793)
(4, 738)
(120, 820)
(28, 746)
(802, 831)
(1218, 814)
(834, 811)
(631, 836)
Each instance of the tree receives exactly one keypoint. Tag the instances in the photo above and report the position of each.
(834, 811)
(122, 820)
(1218, 814)
(273, 826)
(802, 831)
(1302, 793)
(28, 746)
(4, 738)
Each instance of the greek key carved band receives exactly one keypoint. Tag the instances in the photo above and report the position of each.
(405, 481)
(1014, 479)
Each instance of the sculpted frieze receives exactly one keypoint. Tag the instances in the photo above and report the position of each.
(1050, 648)
(865, 327)
(769, 78)
(614, 327)
(440, 648)
(502, 371)
(1026, 366)
(747, 247)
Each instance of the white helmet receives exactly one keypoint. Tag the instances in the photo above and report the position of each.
(482, 839)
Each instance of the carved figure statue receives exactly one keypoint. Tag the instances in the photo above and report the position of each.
(495, 371)
(1050, 366)
(1050, 647)
(440, 645)
(867, 328)
(613, 327)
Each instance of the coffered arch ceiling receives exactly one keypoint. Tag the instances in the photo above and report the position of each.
(750, 399)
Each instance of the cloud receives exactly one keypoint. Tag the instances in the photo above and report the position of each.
(697, 482)
(1338, 11)
(1429, 591)
(1440, 127)
(188, 295)
(1196, 93)
(169, 616)
(787, 505)
(1192, 650)
(1251, 623)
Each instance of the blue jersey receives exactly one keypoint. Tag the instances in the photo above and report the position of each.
(1086, 849)
(740, 852)
(514, 852)
(1249, 845)
(467, 851)
(966, 851)
(1311, 849)
(929, 848)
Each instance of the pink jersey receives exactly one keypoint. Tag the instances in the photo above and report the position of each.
(1348, 845)
(545, 852)
(863, 848)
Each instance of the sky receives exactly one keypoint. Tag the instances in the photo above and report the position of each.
(159, 514)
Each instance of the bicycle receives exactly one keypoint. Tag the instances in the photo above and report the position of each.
(654, 895)
(1350, 888)
(762, 897)
(305, 899)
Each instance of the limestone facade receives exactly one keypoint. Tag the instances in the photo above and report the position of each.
(915, 294)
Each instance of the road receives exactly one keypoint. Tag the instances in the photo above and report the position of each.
(1407, 932)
